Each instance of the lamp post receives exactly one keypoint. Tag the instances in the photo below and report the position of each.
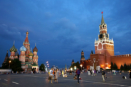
(74, 67)
(9, 63)
(81, 66)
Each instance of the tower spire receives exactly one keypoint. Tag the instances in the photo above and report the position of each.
(26, 39)
(102, 20)
(14, 42)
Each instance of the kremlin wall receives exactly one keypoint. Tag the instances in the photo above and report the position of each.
(104, 52)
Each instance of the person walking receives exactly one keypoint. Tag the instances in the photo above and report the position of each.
(78, 74)
(51, 75)
(57, 75)
(103, 75)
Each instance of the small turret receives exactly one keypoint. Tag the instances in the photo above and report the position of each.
(82, 55)
(35, 49)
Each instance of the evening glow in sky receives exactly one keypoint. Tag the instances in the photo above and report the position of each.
(62, 28)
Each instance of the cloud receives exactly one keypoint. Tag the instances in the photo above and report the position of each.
(10, 32)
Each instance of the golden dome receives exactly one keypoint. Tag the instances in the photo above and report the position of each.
(27, 32)
(30, 54)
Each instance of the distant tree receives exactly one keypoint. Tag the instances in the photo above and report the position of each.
(115, 66)
(112, 65)
(77, 64)
(122, 67)
(42, 67)
(6, 64)
(16, 65)
(130, 66)
(125, 67)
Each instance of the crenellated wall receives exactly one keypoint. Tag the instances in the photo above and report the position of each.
(121, 60)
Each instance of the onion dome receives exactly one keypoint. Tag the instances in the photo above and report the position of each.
(35, 49)
(13, 49)
(22, 48)
(30, 54)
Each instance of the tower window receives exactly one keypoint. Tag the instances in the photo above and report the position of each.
(103, 26)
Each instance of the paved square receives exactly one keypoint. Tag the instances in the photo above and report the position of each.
(40, 80)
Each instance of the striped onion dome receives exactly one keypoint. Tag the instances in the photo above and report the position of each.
(13, 49)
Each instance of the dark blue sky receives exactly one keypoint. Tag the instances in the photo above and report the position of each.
(62, 28)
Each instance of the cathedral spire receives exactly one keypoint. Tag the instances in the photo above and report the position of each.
(26, 39)
(102, 20)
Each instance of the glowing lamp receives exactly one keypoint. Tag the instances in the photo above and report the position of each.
(71, 69)
(80, 65)
(102, 65)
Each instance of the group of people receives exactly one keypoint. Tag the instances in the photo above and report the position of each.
(92, 72)
(53, 74)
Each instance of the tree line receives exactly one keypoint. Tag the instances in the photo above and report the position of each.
(15, 65)
(123, 67)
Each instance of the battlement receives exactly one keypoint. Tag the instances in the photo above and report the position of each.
(125, 55)
(104, 41)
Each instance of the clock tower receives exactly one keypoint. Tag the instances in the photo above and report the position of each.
(104, 45)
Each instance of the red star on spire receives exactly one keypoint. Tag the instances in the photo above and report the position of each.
(102, 12)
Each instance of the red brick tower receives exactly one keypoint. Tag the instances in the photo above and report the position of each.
(104, 45)
(27, 45)
(82, 56)
(83, 61)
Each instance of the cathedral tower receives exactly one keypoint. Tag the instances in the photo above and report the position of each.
(12, 51)
(104, 45)
(30, 58)
(27, 45)
(22, 57)
(35, 57)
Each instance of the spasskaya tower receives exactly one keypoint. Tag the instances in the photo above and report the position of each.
(104, 45)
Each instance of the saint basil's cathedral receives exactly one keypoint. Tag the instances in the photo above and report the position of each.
(104, 52)
(28, 59)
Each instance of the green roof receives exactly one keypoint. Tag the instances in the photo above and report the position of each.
(13, 49)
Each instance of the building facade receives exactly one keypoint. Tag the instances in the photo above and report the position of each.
(104, 52)
(28, 59)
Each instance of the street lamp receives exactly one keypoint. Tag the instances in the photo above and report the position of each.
(81, 66)
(74, 67)
(9, 63)
(71, 69)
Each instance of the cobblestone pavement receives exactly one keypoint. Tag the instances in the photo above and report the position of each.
(40, 80)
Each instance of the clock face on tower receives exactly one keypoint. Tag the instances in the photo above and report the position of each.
(101, 35)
